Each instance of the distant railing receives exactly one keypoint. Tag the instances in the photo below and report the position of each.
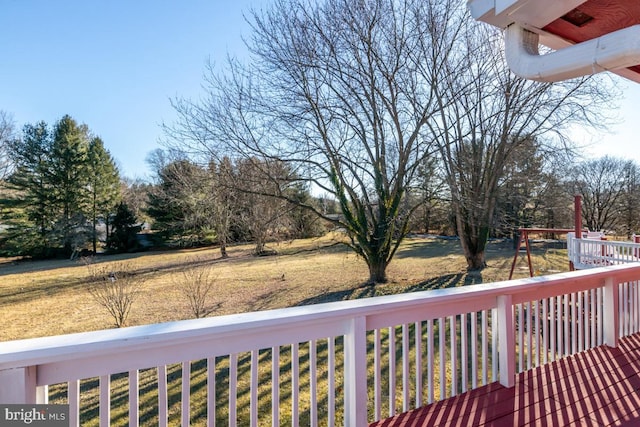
(344, 363)
(593, 250)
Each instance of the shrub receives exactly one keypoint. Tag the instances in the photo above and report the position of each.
(197, 284)
(114, 288)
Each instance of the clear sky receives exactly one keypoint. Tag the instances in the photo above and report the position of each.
(114, 65)
(622, 139)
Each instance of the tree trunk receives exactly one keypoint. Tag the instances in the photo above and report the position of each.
(427, 220)
(106, 227)
(260, 245)
(377, 271)
(475, 261)
(223, 248)
(222, 230)
(473, 239)
(94, 237)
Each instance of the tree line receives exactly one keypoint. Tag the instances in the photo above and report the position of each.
(226, 201)
(192, 204)
(61, 194)
(60, 185)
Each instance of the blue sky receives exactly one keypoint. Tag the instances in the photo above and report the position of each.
(622, 139)
(115, 64)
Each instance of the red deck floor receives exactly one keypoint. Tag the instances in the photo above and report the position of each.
(599, 387)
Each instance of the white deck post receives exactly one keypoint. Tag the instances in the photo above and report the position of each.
(355, 373)
(506, 341)
(611, 320)
(19, 386)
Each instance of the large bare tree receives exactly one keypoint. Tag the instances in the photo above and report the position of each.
(354, 95)
(341, 91)
(487, 114)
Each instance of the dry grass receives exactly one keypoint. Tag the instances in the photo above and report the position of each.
(52, 297)
(44, 298)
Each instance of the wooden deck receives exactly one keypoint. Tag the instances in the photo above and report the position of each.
(599, 387)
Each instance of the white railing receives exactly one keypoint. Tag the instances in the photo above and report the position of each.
(593, 251)
(343, 363)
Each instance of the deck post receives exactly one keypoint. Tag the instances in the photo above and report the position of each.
(577, 221)
(506, 341)
(355, 373)
(611, 321)
(19, 386)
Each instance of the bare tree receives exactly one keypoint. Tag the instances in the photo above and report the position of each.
(487, 114)
(191, 202)
(631, 201)
(430, 188)
(7, 134)
(603, 184)
(259, 209)
(225, 196)
(135, 194)
(341, 91)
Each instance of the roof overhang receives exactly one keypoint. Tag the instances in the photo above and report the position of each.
(588, 36)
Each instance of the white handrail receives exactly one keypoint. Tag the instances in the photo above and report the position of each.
(594, 252)
(537, 319)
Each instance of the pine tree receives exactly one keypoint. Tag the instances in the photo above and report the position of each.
(26, 201)
(104, 186)
(182, 205)
(125, 228)
(70, 181)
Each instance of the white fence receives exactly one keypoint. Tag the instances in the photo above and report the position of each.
(593, 252)
(344, 363)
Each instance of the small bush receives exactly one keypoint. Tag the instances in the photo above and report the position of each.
(114, 288)
(197, 284)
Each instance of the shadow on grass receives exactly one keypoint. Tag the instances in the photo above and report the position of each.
(420, 248)
(55, 284)
(324, 248)
(368, 291)
(32, 266)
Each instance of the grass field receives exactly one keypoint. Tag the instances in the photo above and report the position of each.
(51, 297)
(41, 298)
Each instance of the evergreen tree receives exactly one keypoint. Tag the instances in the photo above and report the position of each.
(70, 181)
(521, 189)
(104, 186)
(302, 222)
(182, 205)
(125, 227)
(166, 206)
(26, 202)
